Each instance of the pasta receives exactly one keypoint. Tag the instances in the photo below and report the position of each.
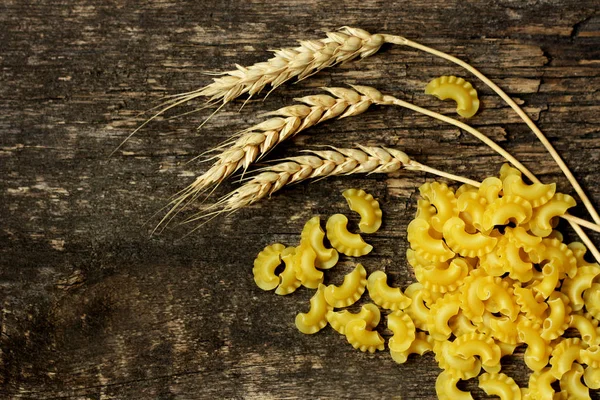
(587, 328)
(367, 207)
(565, 353)
(457, 89)
(421, 344)
(363, 339)
(506, 209)
(442, 198)
(403, 329)
(349, 291)
(537, 194)
(500, 385)
(316, 318)
(541, 220)
(572, 385)
(558, 321)
(477, 344)
(455, 365)
(445, 387)
(264, 267)
(574, 287)
(554, 251)
(425, 245)
(385, 296)
(289, 283)
(339, 319)
(466, 244)
(304, 263)
(540, 384)
(314, 235)
(440, 314)
(442, 280)
(538, 350)
(350, 244)
(591, 300)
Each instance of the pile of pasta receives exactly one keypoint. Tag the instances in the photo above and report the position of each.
(491, 274)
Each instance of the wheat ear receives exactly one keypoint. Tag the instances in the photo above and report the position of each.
(250, 145)
(323, 164)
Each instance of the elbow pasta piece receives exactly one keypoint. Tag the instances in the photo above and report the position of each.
(490, 189)
(491, 263)
(541, 220)
(565, 353)
(445, 387)
(314, 235)
(579, 251)
(420, 345)
(440, 314)
(514, 261)
(444, 201)
(316, 318)
(350, 244)
(289, 281)
(507, 170)
(522, 239)
(417, 309)
(549, 282)
(304, 262)
(501, 328)
(479, 345)
(264, 267)
(466, 244)
(457, 366)
(385, 296)
(403, 330)
(417, 261)
(591, 356)
(591, 377)
(558, 320)
(538, 350)
(460, 324)
(540, 384)
(574, 287)
(532, 303)
(500, 385)
(572, 385)
(506, 349)
(471, 207)
(586, 326)
(443, 280)
(367, 207)
(591, 300)
(507, 209)
(480, 293)
(339, 319)
(537, 194)
(556, 251)
(425, 210)
(425, 245)
(349, 291)
(363, 339)
(457, 89)
(465, 187)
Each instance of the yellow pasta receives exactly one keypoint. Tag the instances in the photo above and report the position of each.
(289, 282)
(442, 280)
(264, 267)
(440, 314)
(500, 328)
(339, 319)
(553, 250)
(532, 303)
(417, 310)
(591, 300)
(587, 328)
(507, 209)
(571, 384)
(350, 290)
(538, 349)
(363, 339)
(314, 235)
(500, 385)
(522, 239)
(514, 260)
(457, 89)
(579, 251)
(565, 353)
(455, 365)
(460, 324)
(541, 220)
(591, 377)
(550, 280)
(304, 263)
(537, 194)
(350, 244)
(558, 320)
(574, 287)
(442, 198)
(445, 387)
(403, 330)
(367, 207)
(478, 345)
(316, 318)
(591, 356)
(421, 344)
(385, 296)
(466, 244)
(425, 245)
(540, 384)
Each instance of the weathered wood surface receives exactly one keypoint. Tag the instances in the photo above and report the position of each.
(92, 308)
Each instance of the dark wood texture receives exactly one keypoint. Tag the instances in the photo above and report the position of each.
(93, 308)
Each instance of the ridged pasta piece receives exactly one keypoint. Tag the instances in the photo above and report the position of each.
(289, 281)
(565, 353)
(417, 261)
(457, 89)
(591, 300)
(471, 207)
(507, 209)
(556, 251)
(538, 349)
(480, 293)
(422, 344)
(558, 320)
(540, 384)
(491, 263)
(465, 188)
(466, 244)
(500, 385)
(500, 328)
(579, 250)
(440, 314)
(350, 244)
(367, 207)
(350, 290)
(572, 385)
(532, 303)
(425, 210)
(591, 377)
(479, 345)
(541, 220)
(425, 245)
(522, 239)
(574, 287)
(385, 296)
(443, 280)
(264, 267)
(460, 324)
(444, 201)
(507, 170)
(587, 326)
(403, 330)
(537, 193)
(514, 260)
(304, 263)
(549, 282)
(314, 235)
(369, 313)
(363, 339)
(316, 318)
(457, 366)
(445, 387)
(490, 189)
(417, 310)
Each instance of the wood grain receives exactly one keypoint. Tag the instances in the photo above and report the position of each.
(93, 308)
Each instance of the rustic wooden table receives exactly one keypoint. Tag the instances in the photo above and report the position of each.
(94, 308)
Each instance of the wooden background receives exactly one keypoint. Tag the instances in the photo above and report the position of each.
(94, 308)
